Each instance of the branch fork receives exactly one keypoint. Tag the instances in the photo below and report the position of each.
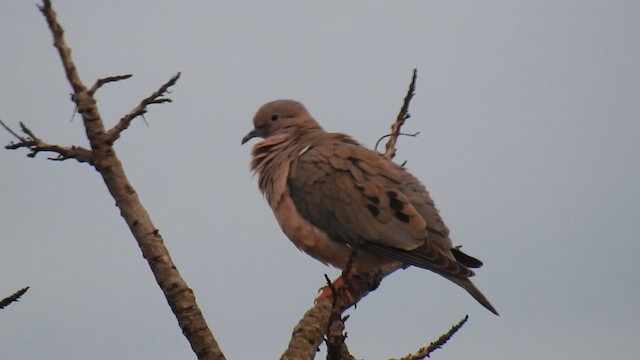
(79, 153)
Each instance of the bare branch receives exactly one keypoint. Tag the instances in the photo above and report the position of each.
(415, 134)
(63, 50)
(27, 131)
(309, 333)
(108, 79)
(427, 350)
(335, 336)
(156, 98)
(20, 138)
(403, 115)
(103, 157)
(36, 145)
(336, 348)
(15, 297)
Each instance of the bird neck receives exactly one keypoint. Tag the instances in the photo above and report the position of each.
(271, 161)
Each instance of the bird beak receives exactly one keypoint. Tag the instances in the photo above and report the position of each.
(253, 133)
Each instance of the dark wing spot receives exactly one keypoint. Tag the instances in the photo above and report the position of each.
(402, 217)
(394, 203)
(374, 199)
(373, 210)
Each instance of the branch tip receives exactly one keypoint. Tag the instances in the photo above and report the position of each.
(36, 145)
(156, 98)
(427, 350)
(20, 138)
(106, 80)
(28, 131)
(403, 115)
(15, 297)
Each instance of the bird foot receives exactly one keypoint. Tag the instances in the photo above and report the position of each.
(338, 286)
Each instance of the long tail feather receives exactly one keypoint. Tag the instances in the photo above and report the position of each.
(473, 290)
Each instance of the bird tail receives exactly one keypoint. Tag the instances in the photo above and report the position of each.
(466, 284)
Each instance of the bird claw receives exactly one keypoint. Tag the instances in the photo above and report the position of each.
(339, 286)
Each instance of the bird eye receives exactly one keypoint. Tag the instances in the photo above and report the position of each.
(275, 117)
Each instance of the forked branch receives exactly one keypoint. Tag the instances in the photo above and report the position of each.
(36, 145)
(141, 109)
(103, 157)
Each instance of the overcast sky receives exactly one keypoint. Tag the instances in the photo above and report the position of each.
(529, 113)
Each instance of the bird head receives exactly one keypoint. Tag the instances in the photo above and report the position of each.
(280, 116)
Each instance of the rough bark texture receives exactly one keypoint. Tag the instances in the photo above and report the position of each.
(311, 329)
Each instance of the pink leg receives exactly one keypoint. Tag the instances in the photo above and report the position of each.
(326, 292)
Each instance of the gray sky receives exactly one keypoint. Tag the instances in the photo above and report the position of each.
(529, 113)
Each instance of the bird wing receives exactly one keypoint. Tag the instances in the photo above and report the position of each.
(356, 196)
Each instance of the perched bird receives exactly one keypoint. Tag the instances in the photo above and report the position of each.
(329, 194)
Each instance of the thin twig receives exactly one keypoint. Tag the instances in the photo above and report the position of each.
(20, 138)
(415, 134)
(403, 115)
(106, 80)
(15, 297)
(36, 145)
(75, 110)
(156, 98)
(28, 131)
(427, 350)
